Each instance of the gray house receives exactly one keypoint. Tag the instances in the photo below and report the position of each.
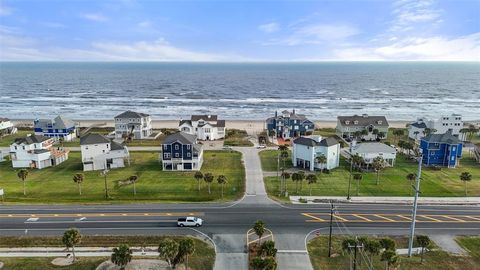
(365, 126)
(132, 123)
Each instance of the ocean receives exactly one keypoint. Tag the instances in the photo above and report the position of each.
(399, 90)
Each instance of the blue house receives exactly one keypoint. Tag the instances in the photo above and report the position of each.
(57, 128)
(181, 152)
(441, 150)
(289, 125)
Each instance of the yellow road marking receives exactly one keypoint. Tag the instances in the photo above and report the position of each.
(314, 217)
(364, 218)
(341, 218)
(456, 219)
(98, 215)
(407, 218)
(473, 218)
(389, 219)
(427, 217)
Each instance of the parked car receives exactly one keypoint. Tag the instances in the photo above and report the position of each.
(227, 147)
(189, 222)
(262, 146)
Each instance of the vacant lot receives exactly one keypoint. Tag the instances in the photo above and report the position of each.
(392, 181)
(435, 259)
(55, 184)
(269, 159)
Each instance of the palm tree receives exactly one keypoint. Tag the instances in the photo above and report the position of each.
(257, 263)
(78, 178)
(268, 249)
(286, 176)
(259, 229)
(222, 180)
(295, 177)
(208, 177)
(198, 176)
(424, 242)
(121, 256)
(466, 177)
(381, 135)
(71, 238)
(357, 134)
(357, 160)
(269, 263)
(411, 177)
(397, 133)
(416, 134)
(387, 243)
(375, 132)
(284, 156)
(133, 179)
(186, 247)
(358, 177)
(364, 132)
(168, 250)
(378, 164)
(390, 258)
(372, 247)
(22, 174)
(301, 177)
(311, 179)
(321, 159)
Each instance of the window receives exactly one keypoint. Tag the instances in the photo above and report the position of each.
(453, 158)
(188, 146)
(453, 148)
(355, 122)
(188, 154)
(166, 155)
(176, 147)
(347, 122)
(177, 155)
(15, 148)
(165, 147)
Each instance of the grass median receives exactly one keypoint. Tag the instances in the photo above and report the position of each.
(55, 184)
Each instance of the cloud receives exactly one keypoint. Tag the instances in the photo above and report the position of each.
(438, 48)
(4, 10)
(96, 17)
(320, 33)
(144, 24)
(53, 25)
(269, 27)
(408, 14)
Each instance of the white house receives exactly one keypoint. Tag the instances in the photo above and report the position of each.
(36, 151)
(452, 123)
(59, 127)
(205, 127)
(6, 127)
(100, 153)
(370, 150)
(137, 124)
(372, 127)
(2, 156)
(307, 149)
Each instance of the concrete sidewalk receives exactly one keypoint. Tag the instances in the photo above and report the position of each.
(79, 252)
(392, 200)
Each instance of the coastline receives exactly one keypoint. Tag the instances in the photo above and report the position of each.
(249, 125)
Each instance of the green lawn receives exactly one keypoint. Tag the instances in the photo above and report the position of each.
(435, 259)
(55, 184)
(9, 139)
(325, 132)
(471, 244)
(202, 259)
(392, 181)
(269, 160)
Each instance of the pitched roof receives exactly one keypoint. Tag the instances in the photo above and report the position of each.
(2, 119)
(418, 125)
(206, 117)
(330, 141)
(373, 147)
(31, 139)
(131, 114)
(220, 123)
(185, 122)
(93, 138)
(116, 146)
(363, 120)
(58, 122)
(447, 137)
(182, 137)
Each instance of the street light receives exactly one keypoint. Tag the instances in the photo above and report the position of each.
(351, 168)
(415, 202)
(104, 173)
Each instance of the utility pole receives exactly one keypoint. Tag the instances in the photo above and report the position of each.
(415, 202)
(105, 171)
(330, 234)
(356, 246)
(351, 168)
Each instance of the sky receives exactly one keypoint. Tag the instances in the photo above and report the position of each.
(239, 31)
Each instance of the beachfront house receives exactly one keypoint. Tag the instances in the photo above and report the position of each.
(204, 127)
(364, 127)
(306, 150)
(181, 152)
(371, 150)
(57, 128)
(101, 153)
(289, 125)
(7, 127)
(136, 125)
(452, 123)
(441, 150)
(36, 151)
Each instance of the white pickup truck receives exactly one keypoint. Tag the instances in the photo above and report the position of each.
(189, 222)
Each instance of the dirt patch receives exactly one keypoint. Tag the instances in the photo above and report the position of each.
(138, 265)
